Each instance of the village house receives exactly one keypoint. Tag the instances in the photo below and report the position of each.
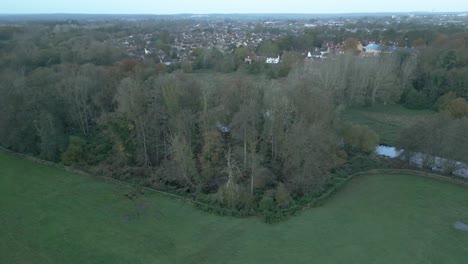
(273, 60)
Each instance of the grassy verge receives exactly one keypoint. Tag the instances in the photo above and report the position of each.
(386, 120)
(52, 216)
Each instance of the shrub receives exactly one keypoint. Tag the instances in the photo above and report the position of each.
(443, 101)
(457, 107)
(235, 197)
(414, 99)
(75, 152)
(255, 68)
(264, 178)
(362, 163)
(187, 67)
(267, 203)
(360, 138)
(282, 196)
(268, 209)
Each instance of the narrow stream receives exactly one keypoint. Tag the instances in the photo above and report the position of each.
(418, 158)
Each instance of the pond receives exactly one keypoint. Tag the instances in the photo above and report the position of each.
(387, 151)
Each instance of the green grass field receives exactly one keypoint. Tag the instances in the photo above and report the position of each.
(51, 216)
(386, 120)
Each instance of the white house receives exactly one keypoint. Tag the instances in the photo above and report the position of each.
(273, 60)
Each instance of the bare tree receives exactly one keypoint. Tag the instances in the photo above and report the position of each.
(231, 169)
(183, 156)
(132, 101)
(254, 160)
(77, 90)
(406, 71)
(383, 81)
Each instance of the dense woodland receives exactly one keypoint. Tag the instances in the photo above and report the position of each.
(244, 137)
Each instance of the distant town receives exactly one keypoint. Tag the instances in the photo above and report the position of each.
(226, 35)
(173, 39)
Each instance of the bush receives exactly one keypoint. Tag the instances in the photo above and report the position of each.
(457, 107)
(414, 99)
(75, 152)
(282, 196)
(272, 205)
(235, 197)
(264, 178)
(267, 204)
(360, 138)
(255, 68)
(268, 209)
(187, 67)
(444, 100)
(362, 163)
(356, 164)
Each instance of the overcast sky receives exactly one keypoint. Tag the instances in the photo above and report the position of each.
(227, 6)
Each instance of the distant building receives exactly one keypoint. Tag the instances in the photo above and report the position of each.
(314, 55)
(273, 60)
(373, 48)
(252, 57)
(166, 61)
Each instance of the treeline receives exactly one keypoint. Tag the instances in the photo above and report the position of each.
(441, 72)
(35, 46)
(231, 140)
(361, 81)
(438, 68)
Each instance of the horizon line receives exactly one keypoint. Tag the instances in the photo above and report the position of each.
(256, 13)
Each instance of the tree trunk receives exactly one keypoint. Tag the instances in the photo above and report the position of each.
(253, 152)
(374, 89)
(80, 115)
(252, 176)
(230, 169)
(143, 134)
(245, 149)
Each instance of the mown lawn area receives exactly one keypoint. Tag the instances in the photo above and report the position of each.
(386, 120)
(48, 215)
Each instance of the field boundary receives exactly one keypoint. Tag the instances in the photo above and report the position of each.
(111, 180)
(319, 200)
(421, 174)
(314, 203)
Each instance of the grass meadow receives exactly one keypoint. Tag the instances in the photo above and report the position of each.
(386, 120)
(48, 215)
